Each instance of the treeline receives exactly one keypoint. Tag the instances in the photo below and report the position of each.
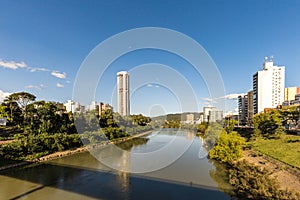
(109, 125)
(30, 117)
(38, 128)
(35, 146)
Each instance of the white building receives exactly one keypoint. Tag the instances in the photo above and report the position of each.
(206, 111)
(268, 86)
(93, 106)
(123, 93)
(72, 106)
(215, 116)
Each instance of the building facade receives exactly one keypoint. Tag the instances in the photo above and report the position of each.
(74, 107)
(206, 111)
(243, 109)
(290, 93)
(250, 105)
(268, 86)
(123, 93)
(215, 116)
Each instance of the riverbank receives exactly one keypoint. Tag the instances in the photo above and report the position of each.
(68, 152)
(287, 177)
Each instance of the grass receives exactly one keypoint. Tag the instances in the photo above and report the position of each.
(285, 149)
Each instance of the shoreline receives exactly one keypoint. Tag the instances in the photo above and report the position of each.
(287, 176)
(69, 152)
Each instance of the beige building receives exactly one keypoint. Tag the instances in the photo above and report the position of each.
(250, 105)
(290, 93)
(190, 117)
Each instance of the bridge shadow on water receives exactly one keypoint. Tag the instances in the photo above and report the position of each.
(92, 183)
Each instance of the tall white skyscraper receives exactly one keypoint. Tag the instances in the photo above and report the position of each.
(123, 93)
(268, 86)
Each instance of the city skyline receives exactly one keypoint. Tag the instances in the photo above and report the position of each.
(43, 54)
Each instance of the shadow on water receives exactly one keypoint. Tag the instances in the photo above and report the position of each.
(81, 176)
(102, 184)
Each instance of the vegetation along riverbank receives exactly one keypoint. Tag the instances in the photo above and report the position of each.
(264, 165)
(39, 130)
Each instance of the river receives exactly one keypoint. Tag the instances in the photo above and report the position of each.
(82, 176)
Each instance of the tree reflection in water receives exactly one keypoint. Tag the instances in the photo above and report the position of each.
(221, 176)
(132, 143)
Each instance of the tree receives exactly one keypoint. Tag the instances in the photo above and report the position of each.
(212, 134)
(4, 111)
(230, 125)
(22, 99)
(202, 127)
(140, 120)
(14, 112)
(268, 123)
(228, 147)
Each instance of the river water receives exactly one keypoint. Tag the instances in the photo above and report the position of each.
(82, 176)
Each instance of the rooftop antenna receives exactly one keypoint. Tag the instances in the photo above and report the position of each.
(271, 58)
(266, 59)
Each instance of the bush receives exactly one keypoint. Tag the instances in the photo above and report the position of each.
(251, 182)
(228, 147)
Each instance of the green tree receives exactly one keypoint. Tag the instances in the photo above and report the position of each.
(202, 127)
(228, 147)
(4, 111)
(140, 120)
(15, 114)
(229, 126)
(212, 134)
(268, 123)
(22, 99)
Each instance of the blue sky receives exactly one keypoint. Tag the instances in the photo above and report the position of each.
(43, 43)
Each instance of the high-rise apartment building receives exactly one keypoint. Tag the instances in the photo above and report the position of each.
(123, 93)
(215, 116)
(243, 109)
(206, 111)
(250, 105)
(268, 86)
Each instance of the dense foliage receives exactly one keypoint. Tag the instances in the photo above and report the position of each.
(268, 123)
(228, 147)
(251, 182)
(35, 146)
(40, 127)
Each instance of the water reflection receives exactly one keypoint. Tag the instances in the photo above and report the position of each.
(81, 176)
(221, 176)
(128, 145)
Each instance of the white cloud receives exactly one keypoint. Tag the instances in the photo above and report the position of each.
(35, 69)
(38, 87)
(12, 64)
(58, 74)
(59, 85)
(3, 95)
(232, 96)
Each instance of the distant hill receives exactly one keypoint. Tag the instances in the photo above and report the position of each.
(176, 116)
